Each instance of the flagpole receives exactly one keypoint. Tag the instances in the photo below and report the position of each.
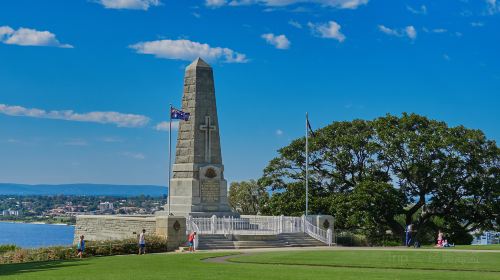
(307, 164)
(169, 155)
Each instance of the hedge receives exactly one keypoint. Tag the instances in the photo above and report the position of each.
(8, 247)
(154, 244)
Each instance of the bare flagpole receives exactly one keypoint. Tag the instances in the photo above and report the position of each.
(169, 155)
(307, 164)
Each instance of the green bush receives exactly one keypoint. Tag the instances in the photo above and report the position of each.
(154, 244)
(8, 247)
(351, 239)
(390, 243)
(36, 255)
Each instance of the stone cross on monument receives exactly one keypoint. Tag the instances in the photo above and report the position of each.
(198, 187)
(207, 127)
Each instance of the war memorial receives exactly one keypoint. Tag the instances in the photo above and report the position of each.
(198, 191)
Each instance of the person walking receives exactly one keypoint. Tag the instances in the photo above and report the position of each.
(191, 239)
(81, 246)
(409, 230)
(142, 242)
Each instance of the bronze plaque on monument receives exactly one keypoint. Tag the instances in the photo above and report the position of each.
(210, 191)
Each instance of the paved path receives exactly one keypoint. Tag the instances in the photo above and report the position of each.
(224, 259)
(338, 248)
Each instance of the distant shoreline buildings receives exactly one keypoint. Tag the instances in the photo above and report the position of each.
(10, 212)
(106, 206)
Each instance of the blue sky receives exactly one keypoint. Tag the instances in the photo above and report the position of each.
(85, 84)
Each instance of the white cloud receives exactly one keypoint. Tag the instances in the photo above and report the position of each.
(340, 4)
(111, 139)
(5, 31)
(76, 142)
(29, 37)
(279, 132)
(165, 126)
(493, 6)
(408, 31)
(129, 4)
(446, 57)
(435, 30)
(118, 119)
(411, 32)
(295, 24)
(279, 41)
(188, 50)
(418, 11)
(138, 156)
(388, 31)
(330, 30)
(477, 24)
(215, 3)
(439, 30)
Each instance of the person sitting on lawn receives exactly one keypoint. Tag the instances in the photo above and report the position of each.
(191, 238)
(81, 247)
(445, 243)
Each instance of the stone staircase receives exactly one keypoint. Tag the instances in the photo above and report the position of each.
(220, 242)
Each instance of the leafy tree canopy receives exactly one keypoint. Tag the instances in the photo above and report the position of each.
(384, 174)
(248, 197)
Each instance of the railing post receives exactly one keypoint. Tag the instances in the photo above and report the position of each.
(282, 219)
(195, 242)
(329, 237)
(303, 223)
(334, 239)
(214, 224)
(232, 225)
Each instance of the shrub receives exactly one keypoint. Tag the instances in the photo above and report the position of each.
(351, 239)
(390, 243)
(8, 247)
(154, 244)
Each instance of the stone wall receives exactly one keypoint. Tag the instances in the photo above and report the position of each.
(98, 228)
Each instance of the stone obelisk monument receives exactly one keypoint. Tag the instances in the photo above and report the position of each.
(198, 187)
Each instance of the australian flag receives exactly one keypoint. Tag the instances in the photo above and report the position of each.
(176, 114)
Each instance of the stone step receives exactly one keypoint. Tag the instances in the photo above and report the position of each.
(213, 236)
(220, 242)
(247, 247)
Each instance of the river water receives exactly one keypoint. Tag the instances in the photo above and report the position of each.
(35, 235)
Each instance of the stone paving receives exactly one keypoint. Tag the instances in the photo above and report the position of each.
(339, 248)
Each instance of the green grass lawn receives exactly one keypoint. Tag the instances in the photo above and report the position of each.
(335, 264)
(469, 247)
(463, 261)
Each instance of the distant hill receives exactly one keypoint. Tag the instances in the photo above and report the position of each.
(82, 189)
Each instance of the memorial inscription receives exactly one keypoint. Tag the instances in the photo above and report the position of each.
(210, 191)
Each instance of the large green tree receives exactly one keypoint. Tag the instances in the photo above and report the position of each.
(248, 197)
(384, 174)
